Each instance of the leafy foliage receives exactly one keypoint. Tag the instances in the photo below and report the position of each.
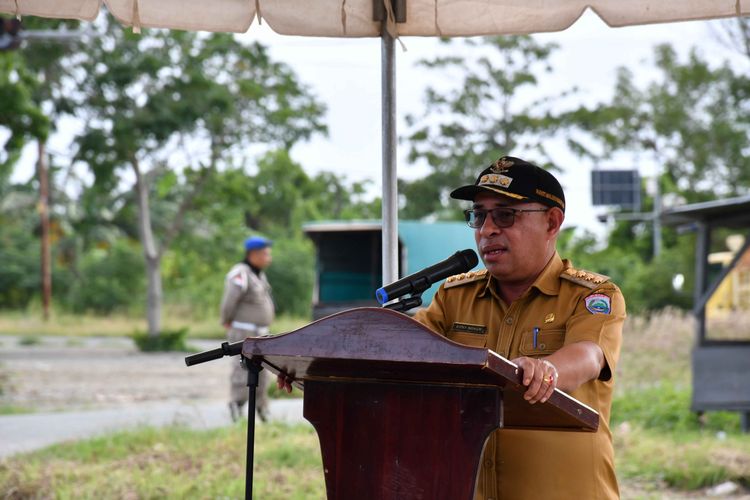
(487, 110)
(165, 341)
(645, 283)
(20, 256)
(111, 279)
(21, 116)
(666, 408)
(205, 124)
(174, 108)
(291, 276)
(690, 120)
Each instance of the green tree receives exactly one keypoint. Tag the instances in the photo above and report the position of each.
(20, 114)
(486, 110)
(112, 279)
(689, 124)
(27, 114)
(19, 251)
(164, 104)
(645, 283)
(275, 201)
(690, 121)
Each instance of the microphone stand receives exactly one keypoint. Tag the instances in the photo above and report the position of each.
(414, 300)
(404, 304)
(253, 370)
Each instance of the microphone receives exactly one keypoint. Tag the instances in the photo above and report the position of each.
(459, 262)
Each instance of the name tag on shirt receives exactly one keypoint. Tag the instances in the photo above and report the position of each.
(469, 328)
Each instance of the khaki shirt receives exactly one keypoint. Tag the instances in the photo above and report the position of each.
(247, 297)
(566, 306)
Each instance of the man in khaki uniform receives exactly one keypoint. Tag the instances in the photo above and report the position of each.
(246, 311)
(561, 325)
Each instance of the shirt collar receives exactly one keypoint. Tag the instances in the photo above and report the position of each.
(548, 281)
(256, 270)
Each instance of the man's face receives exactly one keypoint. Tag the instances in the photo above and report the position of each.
(516, 254)
(260, 258)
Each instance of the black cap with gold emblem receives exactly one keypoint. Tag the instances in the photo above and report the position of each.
(517, 179)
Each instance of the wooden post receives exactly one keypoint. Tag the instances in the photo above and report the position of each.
(46, 260)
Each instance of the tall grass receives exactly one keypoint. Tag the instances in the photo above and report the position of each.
(655, 350)
(171, 462)
(658, 441)
(682, 461)
(31, 324)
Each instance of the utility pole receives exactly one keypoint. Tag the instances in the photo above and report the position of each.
(656, 219)
(46, 259)
(11, 37)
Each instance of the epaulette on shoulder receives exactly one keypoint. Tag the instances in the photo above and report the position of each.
(463, 278)
(583, 278)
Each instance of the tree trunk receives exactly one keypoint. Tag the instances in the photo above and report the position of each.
(151, 254)
(154, 296)
(46, 259)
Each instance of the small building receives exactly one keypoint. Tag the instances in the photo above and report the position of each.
(349, 260)
(721, 355)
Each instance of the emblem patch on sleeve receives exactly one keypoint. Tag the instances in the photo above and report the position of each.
(598, 303)
(239, 279)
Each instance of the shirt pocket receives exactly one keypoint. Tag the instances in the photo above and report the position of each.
(547, 342)
(469, 339)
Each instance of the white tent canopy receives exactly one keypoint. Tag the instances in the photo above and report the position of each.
(353, 18)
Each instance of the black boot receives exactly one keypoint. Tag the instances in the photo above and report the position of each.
(235, 410)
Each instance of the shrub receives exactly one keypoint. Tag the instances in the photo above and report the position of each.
(167, 340)
(292, 275)
(666, 407)
(110, 279)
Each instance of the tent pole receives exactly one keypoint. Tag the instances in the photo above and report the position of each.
(390, 185)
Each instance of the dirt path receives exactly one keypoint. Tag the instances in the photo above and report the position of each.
(74, 389)
(75, 374)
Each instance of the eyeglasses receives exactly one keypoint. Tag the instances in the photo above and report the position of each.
(501, 216)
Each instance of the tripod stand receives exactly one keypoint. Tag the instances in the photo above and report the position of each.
(253, 370)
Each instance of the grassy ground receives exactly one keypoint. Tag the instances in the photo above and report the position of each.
(181, 463)
(662, 449)
(31, 325)
(171, 462)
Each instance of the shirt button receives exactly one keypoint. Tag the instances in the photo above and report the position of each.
(488, 463)
(509, 320)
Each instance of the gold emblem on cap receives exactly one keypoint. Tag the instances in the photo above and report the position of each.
(549, 318)
(501, 165)
(496, 180)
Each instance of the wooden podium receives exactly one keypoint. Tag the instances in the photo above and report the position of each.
(402, 412)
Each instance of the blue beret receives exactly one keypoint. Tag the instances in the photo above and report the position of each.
(256, 243)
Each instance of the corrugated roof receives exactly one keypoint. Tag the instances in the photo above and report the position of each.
(729, 212)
